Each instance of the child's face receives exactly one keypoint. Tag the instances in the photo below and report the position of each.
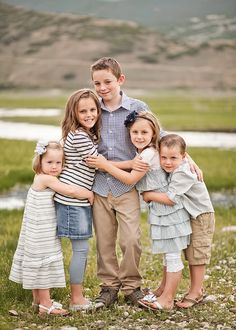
(52, 162)
(141, 134)
(87, 113)
(170, 158)
(106, 84)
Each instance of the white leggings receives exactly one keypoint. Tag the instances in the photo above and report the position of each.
(173, 262)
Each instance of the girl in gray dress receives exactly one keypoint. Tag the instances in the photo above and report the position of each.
(169, 224)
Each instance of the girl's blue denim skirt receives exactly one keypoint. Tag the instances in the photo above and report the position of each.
(74, 222)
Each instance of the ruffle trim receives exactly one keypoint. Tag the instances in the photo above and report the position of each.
(175, 218)
(170, 245)
(171, 232)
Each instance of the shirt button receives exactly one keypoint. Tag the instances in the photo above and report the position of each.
(110, 131)
(110, 148)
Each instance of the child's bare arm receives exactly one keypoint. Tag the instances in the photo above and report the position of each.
(137, 164)
(122, 175)
(66, 189)
(154, 196)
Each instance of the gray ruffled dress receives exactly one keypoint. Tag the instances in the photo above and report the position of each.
(170, 227)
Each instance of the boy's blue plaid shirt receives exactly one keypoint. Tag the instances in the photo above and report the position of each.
(115, 144)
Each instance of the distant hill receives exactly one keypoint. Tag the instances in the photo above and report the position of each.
(52, 50)
(178, 17)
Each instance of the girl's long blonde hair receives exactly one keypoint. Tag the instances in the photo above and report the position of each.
(70, 121)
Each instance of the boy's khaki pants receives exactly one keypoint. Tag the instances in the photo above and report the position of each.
(112, 217)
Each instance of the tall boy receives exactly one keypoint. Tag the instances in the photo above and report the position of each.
(116, 208)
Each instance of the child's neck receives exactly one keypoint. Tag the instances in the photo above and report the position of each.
(114, 104)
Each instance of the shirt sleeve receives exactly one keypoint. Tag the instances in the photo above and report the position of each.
(148, 155)
(180, 182)
(84, 145)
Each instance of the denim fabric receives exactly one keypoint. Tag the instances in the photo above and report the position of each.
(74, 222)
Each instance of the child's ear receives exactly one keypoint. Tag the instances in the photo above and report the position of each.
(121, 79)
(184, 155)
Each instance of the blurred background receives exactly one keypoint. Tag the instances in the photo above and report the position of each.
(162, 45)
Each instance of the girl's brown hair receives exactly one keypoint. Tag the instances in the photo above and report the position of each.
(70, 121)
(38, 156)
(173, 140)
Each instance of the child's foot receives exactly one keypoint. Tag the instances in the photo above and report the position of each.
(158, 291)
(155, 305)
(189, 301)
(52, 310)
(82, 304)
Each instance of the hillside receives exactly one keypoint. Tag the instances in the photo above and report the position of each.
(49, 50)
(163, 15)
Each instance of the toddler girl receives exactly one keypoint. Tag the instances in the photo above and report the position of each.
(38, 260)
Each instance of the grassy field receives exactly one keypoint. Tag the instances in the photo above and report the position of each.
(219, 173)
(218, 166)
(176, 112)
(219, 283)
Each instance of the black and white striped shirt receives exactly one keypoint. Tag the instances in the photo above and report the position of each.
(78, 145)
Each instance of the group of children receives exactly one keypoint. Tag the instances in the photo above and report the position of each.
(114, 151)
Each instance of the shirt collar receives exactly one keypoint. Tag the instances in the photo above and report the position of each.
(125, 102)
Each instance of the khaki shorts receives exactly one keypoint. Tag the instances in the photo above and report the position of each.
(199, 250)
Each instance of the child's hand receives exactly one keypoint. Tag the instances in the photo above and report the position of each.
(194, 168)
(91, 198)
(138, 164)
(96, 161)
(147, 196)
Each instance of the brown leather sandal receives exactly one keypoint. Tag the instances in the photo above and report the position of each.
(192, 301)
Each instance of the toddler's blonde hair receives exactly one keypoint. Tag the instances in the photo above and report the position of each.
(37, 160)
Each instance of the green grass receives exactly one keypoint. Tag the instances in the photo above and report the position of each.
(220, 283)
(26, 100)
(175, 112)
(15, 163)
(195, 112)
(219, 173)
(217, 166)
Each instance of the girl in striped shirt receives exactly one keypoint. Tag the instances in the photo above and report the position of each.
(80, 132)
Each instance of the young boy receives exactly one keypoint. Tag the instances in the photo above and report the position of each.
(183, 185)
(116, 207)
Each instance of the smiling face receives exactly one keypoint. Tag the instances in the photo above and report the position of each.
(52, 162)
(87, 113)
(141, 134)
(107, 85)
(170, 157)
